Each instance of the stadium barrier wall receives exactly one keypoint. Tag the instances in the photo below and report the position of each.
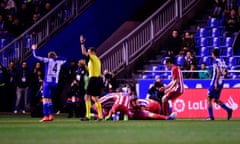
(193, 103)
(144, 84)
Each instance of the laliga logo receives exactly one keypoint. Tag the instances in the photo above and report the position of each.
(179, 105)
(232, 104)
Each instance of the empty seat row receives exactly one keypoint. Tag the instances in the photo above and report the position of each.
(214, 42)
(224, 51)
(210, 32)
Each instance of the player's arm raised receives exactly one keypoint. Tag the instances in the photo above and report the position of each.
(82, 42)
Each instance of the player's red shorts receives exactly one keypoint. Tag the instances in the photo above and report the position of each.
(154, 107)
(172, 94)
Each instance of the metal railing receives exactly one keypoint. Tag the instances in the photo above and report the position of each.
(20, 48)
(136, 43)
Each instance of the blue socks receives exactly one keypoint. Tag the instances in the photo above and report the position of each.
(47, 109)
(225, 107)
(210, 112)
(50, 108)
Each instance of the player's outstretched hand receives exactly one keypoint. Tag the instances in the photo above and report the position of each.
(34, 46)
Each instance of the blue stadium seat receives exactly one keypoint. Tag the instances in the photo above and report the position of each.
(215, 32)
(206, 59)
(232, 61)
(146, 76)
(201, 32)
(216, 42)
(204, 51)
(229, 51)
(212, 22)
(180, 60)
(202, 42)
(228, 41)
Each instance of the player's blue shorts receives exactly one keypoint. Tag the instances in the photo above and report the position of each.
(49, 90)
(212, 93)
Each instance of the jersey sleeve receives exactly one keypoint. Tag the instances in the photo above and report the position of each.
(43, 59)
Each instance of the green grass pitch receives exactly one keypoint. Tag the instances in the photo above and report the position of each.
(27, 130)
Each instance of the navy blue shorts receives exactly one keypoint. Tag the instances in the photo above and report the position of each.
(212, 93)
(49, 90)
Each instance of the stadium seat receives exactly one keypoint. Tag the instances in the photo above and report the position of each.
(215, 32)
(232, 61)
(204, 51)
(180, 60)
(146, 76)
(202, 42)
(201, 32)
(216, 42)
(155, 68)
(229, 52)
(228, 41)
(212, 22)
(206, 59)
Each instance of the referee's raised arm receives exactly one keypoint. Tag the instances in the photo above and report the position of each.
(82, 42)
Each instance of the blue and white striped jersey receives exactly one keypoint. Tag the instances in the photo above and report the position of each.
(221, 64)
(52, 67)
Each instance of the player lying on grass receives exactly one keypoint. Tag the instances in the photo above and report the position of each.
(114, 102)
(148, 109)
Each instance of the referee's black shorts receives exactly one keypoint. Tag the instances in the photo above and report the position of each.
(94, 87)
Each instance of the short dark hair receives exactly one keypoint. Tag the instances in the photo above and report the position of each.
(169, 60)
(216, 52)
(92, 49)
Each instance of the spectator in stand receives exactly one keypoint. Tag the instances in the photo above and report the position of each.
(232, 24)
(188, 43)
(218, 10)
(24, 16)
(34, 20)
(228, 6)
(11, 26)
(205, 73)
(188, 61)
(174, 42)
(47, 8)
(171, 55)
(3, 11)
(11, 7)
(23, 78)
